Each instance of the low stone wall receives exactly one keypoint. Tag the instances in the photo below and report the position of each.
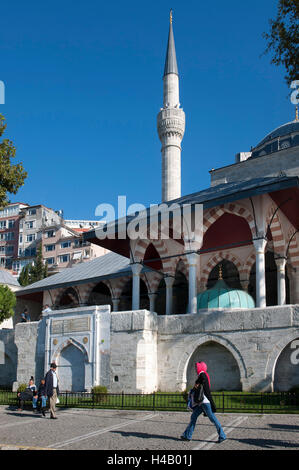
(148, 352)
(8, 357)
(255, 338)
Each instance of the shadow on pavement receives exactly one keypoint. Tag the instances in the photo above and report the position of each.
(266, 443)
(144, 435)
(286, 427)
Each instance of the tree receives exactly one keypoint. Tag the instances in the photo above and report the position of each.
(283, 38)
(38, 270)
(24, 278)
(7, 303)
(34, 272)
(12, 177)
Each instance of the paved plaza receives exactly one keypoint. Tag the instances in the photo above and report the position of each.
(113, 430)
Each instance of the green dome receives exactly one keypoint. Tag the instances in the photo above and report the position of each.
(223, 296)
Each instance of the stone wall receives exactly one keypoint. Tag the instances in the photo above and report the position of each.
(144, 352)
(8, 357)
(255, 338)
(267, 165)
(133, 366)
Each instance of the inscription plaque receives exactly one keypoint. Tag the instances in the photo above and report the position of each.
(71, 325)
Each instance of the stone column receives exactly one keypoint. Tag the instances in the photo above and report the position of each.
(260, 245)
(281, 280)
(136, 270)
(115, 304)
(169, 283)
(192, 259)
(152, 298)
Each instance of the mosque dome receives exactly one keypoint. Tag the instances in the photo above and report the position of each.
(223, 296)
(281, 138)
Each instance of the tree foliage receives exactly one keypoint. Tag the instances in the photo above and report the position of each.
(34, 272)
(283, 38)
(12, 177)
(7, 303)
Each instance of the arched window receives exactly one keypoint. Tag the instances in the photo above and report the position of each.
(69, 298)
(100, 295)
(230, 275)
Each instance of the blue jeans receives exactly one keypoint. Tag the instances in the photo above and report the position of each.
(35, 400)
(206, 407)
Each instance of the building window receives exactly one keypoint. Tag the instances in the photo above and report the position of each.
(49, 247)
(7, 236)
(30, 252)
(64, 258)
(65, 244)
(50, 233)
(50, 260)
(31, 237)
(32, 211)
(30, 224)
(2, 224)
(11, 223)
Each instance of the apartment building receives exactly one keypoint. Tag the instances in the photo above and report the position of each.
(63, 247)
(9, 233)
(33, 221)
(23, 228)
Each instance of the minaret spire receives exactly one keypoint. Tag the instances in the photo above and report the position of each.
(171, 123)
(170, 62)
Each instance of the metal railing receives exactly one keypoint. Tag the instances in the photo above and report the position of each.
(276, 402)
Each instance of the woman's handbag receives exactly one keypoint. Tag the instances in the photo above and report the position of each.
(199, 395)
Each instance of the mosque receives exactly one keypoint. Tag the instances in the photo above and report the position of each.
(225, 291)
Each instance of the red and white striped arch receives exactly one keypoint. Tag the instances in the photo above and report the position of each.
(216, 259)
(140, 249)
(213, 214)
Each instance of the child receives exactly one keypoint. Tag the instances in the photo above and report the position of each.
(41, 395)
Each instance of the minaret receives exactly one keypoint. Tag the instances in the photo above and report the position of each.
(171, 125)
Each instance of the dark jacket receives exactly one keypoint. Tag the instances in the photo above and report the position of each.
(42, 390)
(203, 380)
(49, 384)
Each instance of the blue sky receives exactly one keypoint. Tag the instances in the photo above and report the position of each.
(83, 84)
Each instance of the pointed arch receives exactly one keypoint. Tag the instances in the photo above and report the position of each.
(213, 214)
(161, 248)
(65, 344)
(216, 259)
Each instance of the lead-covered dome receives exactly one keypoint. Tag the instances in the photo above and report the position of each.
(223, 296)
(281, 138)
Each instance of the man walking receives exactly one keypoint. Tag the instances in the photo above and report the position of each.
(52, 389)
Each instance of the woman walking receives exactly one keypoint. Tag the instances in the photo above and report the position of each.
(206, 406)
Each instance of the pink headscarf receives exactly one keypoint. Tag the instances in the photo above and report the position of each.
(202, 367)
